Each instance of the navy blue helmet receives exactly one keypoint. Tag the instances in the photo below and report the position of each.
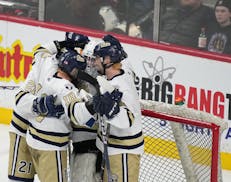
(115, 41)
(104, 49)
(70, 62)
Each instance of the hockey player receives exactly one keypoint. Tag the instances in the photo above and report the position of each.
(85, 163)
(87, 158)
(125, 63)
(48, 137)
(20, 166)
(17, 170)
(125, 138)
(76, 110)
(112, 109)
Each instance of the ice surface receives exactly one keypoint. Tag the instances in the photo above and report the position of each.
(4, 147)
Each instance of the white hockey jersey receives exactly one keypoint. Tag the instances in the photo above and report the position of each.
(46, 133)
(19, 123)
(56, 131)
(125, 134)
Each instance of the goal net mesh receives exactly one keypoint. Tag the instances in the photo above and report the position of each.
(161, 161)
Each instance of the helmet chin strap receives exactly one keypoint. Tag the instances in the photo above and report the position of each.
(105, 66)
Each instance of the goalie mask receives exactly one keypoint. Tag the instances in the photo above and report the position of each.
(70, 62)
(88, 53)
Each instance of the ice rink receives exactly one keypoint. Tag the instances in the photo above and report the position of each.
(4, 140)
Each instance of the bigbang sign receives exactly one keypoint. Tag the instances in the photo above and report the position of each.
(157, 85)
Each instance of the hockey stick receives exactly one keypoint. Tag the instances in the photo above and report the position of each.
(3, 87)
(105, 127)
(69, 161)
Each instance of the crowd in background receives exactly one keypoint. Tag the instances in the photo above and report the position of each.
(191, 20)
(203, 24)
(23, 8)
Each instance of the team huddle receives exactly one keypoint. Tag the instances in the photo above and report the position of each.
(77, 115)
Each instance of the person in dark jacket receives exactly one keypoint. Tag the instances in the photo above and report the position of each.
(76, 12)
(182, 24)
(139, 13)
(219, 32)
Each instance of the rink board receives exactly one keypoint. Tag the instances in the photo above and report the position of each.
(202, 78)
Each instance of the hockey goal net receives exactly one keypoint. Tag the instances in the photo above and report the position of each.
(181, 144)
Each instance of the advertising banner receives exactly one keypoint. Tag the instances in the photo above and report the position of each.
(161, 75)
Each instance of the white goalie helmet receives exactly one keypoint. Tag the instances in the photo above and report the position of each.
(89, 49)
(87, 53)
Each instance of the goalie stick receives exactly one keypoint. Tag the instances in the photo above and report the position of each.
(105, 127)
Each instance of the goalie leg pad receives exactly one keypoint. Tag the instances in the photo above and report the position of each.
(83, 168)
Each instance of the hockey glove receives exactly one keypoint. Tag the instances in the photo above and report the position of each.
(116, 95)
(72, 40)
(79, 39)
(45, 106)
(107, 104)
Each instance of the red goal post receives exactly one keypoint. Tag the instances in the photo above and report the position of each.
(181, 144)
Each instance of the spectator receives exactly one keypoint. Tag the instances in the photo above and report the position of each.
(181, 25)
(108, 15)
(75, 12)
(57, 11)
(136, 14)
(22, 8)
(219, 32)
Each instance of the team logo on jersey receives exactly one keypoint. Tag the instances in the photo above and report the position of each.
(70, 97)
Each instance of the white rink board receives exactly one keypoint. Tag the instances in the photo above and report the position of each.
(194, 74)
